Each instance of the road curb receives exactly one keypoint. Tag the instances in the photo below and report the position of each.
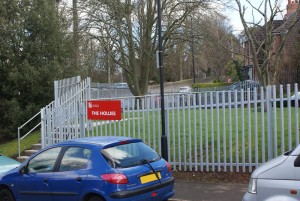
(177, 200)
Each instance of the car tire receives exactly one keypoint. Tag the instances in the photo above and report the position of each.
(95, 198)
(5, 195)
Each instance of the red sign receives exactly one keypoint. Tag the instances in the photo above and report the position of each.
(104, 110)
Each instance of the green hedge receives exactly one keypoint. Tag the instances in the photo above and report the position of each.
(210, 85)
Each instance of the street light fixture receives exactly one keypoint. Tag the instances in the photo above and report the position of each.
(164, 139)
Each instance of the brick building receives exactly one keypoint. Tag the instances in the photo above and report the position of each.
(288, 71)
(289, 65)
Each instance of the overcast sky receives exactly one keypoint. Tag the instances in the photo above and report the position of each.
(234, 15)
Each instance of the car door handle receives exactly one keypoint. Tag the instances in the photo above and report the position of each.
(79, 179)
(46, 180)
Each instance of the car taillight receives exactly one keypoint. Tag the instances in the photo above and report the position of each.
(154, 194)
(115, 178)
(169, 167)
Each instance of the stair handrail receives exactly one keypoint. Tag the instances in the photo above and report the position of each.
(19, 131)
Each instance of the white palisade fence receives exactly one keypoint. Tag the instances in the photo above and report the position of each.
(207, 131)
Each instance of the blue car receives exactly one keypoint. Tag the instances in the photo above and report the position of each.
(91, 169)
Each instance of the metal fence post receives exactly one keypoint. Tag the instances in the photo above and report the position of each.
(88, 88)
(296, 104)
(19, 141)
(269, 122)
(167, 125)
(56, 93)
(81, 120)
(43, 126)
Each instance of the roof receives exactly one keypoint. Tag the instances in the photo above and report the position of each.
(260, 34)
(293, 37)
(277, 23)
(100, 141)
(288, 23)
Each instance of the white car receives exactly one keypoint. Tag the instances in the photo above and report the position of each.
(7, 164)
(277, 179)
(293, 97)
(185, 89)
(121, 85)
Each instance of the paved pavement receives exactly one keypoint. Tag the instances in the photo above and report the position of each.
(195, 191)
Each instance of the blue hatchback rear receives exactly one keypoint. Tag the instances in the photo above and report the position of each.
(91, 169)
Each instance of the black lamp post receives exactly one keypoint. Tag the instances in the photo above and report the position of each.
(164, 139)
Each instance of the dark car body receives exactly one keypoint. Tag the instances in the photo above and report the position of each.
(91, 169)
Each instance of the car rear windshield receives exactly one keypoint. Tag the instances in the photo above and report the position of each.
(129, 155)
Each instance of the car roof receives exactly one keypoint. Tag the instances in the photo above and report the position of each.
(103, 141)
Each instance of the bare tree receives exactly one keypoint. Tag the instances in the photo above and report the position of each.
(130, 28)
(206, 34)
(260, 37)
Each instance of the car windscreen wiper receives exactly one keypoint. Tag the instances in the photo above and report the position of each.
(147, 162)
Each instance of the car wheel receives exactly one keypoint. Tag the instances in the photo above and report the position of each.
(5, 195)
(95, 198)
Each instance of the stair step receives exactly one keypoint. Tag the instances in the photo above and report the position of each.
(30, 152)
(21, 159)
(37, 146)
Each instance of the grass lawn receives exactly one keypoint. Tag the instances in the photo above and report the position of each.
(240, 133)
(195, 134)
(11, 148)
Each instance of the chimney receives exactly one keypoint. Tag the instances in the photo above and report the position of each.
(291, 7)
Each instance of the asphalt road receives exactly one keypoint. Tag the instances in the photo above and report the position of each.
(195, 191)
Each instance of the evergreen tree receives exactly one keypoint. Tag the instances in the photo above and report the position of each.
(34, 49)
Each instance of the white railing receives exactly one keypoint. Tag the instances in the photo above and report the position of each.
(63, 120)
(207, 131)
(20, 138)
(63, 91)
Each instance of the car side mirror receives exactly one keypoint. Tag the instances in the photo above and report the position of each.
(23, 169)
(297, 162)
